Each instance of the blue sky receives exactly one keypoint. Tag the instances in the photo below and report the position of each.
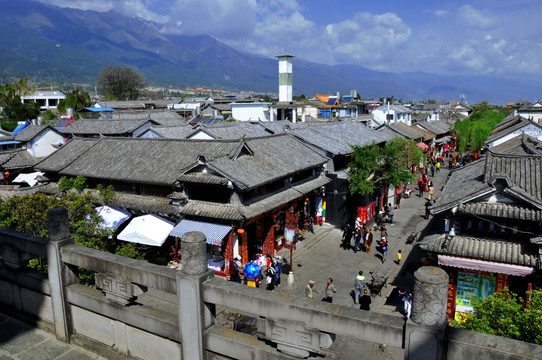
(444, 37)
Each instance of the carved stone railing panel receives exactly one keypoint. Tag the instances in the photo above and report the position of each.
(118, 290)
(294, 338)
(14, 258)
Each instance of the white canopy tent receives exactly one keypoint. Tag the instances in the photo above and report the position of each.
(112, 216)
(30, 179)
(147, 230)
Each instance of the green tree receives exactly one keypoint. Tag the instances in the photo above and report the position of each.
(363, 167)
(76, 100)
(123, 82)
(13, 107)
(505, 314)
(474, 130)
(373, 167)
(47, 116)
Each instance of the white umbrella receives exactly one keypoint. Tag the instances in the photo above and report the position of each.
(148, 230)
(30, 179)
(112, 216)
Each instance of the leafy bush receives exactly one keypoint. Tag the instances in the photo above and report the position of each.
(505, 314)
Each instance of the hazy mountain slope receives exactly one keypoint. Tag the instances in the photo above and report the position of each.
(64, 46)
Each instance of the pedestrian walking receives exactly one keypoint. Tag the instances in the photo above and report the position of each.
(383, 233)
(368, 240)
(365, 301)
(432, 170)
(384, 245)
(347, 236)
(427, 211)
(357, 240)
(310, 289)
(330, 290)
(311, 224)
(438, 166)
(431, 192)
(406, 297)
(399, 197)
(278, 270)
(399, 257)
(392, 213)
(359, 285)
(420, 186)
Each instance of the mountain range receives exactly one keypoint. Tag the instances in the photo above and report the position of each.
(54, 45)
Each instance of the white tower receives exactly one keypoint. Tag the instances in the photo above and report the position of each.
(285, 78)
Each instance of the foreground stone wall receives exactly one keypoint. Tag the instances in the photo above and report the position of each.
(465, 344)
(142, 310)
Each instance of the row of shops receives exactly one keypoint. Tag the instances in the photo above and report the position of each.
(266, 233)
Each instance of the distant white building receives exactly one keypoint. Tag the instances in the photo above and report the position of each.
(390, 114)
(45, 99)
(531, 112)
(255, 111)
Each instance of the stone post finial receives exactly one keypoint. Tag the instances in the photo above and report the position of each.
(430, 296)
(194, 253)
(58, 224)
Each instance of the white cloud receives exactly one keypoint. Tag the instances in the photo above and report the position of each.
(476, 18)
(445, 39)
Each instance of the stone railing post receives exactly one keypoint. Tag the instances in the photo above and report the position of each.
(194, 315)
(60, 275)
(425, 333)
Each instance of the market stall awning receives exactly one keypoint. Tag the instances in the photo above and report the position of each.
(147, 230)
(423, 146)
(30, 179)
(95, 109)
(443, 139)
(214, 233)
(112, 216)
(481, 265)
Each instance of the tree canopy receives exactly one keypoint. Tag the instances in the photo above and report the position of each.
(121, 82)
(28, 214)
(76, 100)
(474, 130)
(10, 100)
(505, 314)
(373, 167)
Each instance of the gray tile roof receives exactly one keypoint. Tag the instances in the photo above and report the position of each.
(31, 131)
(280, 126)
(536, 107)
(151, 161)
(163, 161)
(122, 104)
(507, 122)
(23, 191)
(500, 210)
(411, 132)
(522, 176)
(384, 129)
(436, 127)
(17, 159)
(513, 126)
(519, 145)
(522, 173)
(464, 184)
(274, 157)
(234, 130)
(103, 127)
(173, 132)
(503, 251)
(66, 154)
(335, 137)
